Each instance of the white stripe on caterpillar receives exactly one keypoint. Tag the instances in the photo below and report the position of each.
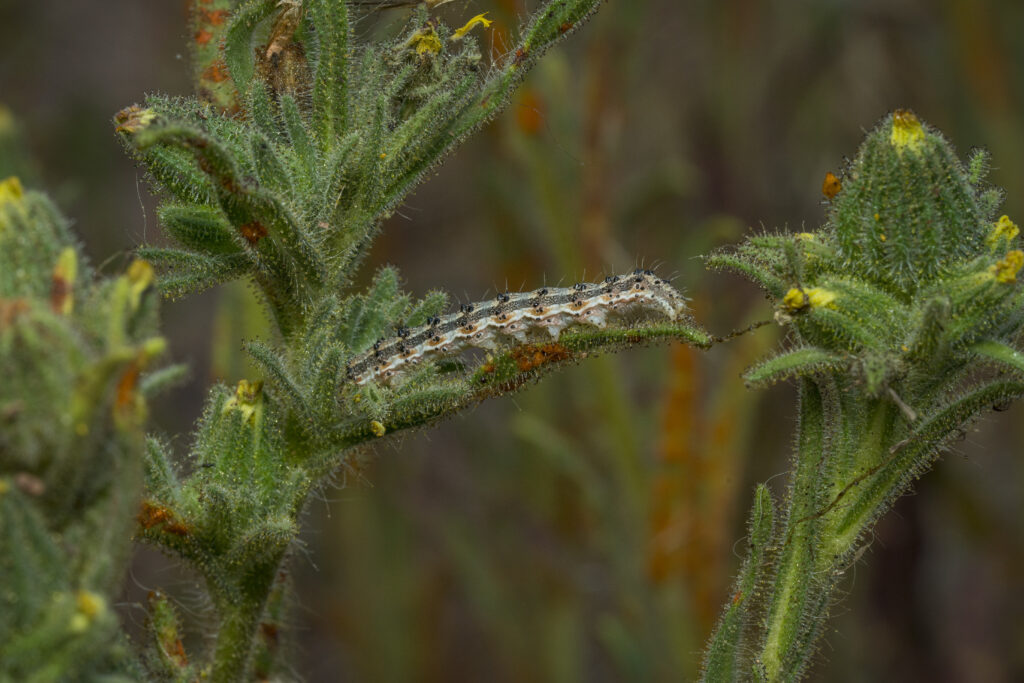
(514, 318)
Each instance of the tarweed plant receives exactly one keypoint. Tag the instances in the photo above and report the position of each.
(901, 313)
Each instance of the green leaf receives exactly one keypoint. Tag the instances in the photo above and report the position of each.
(263, 112)
(299, 138)
(804, 362)
(163, 379)
(175, 171)
(270, 169)
(185, 272)
(271, 362)
(324, 392)
(330, 85)
(756, 272)
(158, 468)
(238, 48)
(199, 228)
(373, 316)
(433, 304)
(727, 654)
(1001, 354)
(32, 567)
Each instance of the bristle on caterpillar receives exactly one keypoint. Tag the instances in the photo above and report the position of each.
(515, 318)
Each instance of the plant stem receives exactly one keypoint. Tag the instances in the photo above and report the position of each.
(241, 612)
(235, 639)
(790, 590)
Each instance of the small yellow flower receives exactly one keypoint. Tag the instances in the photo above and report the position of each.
(907, 131)
(1004, 229)
(378, 428)
(425, 42)
(88, 606)
(794, 300)
(10, 190)
(478, 19)
(247, 399)
(1006, 270)
(808, 236)
(798, 299)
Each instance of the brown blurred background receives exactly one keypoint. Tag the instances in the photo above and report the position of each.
(587, 529)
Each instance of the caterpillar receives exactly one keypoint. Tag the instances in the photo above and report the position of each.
(515, 317)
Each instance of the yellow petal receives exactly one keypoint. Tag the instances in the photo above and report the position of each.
(478, 19)
(819, 297)
(798, 299)
(794, 300)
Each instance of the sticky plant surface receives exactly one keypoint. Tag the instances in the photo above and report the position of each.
(74, 349)
(902, 311)
(300, 142)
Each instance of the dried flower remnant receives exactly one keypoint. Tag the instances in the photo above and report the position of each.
(63, 281)
(831, 186)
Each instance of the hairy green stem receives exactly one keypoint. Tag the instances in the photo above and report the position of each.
(235, 638)
(797, 557)
(241, 612)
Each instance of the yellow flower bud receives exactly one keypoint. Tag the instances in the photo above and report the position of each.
(1006, 270)
(907, 131)
(247, 399)
(1003, 230)
(10, 190)
(88, 606)
(140, 276)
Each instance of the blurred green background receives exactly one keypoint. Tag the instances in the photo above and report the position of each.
(587, 529)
